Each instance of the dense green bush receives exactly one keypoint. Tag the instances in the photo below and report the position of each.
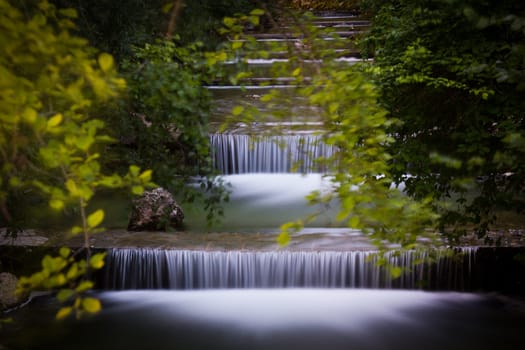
(163, 122)
(452, 72)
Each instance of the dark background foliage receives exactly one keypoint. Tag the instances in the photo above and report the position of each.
(452, 72)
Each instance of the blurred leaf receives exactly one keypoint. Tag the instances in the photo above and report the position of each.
(91, 305)
(65, 294)
(84, 286)
(63, 312)
(95, 218)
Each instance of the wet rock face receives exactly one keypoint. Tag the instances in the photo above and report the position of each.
(8, 297)
(155, 210)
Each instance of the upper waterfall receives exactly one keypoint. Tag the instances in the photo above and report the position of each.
(238, 154)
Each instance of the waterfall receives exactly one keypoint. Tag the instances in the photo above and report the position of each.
(191, 269)
(237, 154)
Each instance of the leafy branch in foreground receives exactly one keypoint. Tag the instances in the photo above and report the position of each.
(49, 141)
(345, 101)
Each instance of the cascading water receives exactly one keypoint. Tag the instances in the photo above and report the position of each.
(188, 269)
(239, 154)
(328, 311)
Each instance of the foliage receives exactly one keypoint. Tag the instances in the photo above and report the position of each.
(452, 72)
(199, 20)
(116, 26)
(49, 141)
(316, 5)
(167, 101)
(355, 124)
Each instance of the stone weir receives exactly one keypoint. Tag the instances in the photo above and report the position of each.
(469, 269)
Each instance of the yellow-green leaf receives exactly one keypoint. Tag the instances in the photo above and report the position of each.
(237, 110)
(237, 45)
(91, 305)
(56, 204)
(167, 7)
(72, 187)
(97, 261)
(257, 12)
(64, 252)
(64, 294)
(228, 22)
(69, 12)
(283, 238)
(105, 62)
(266, 98)
(63, 312)
(354, 222)
(134, 170)
(146, 175)
(83, 286)
(296, 72)
(138, 190)
(76, 230)
(15, 182)
(54, 121)
(95, 218)
(72, 272)
(29, 115)
(395, 271)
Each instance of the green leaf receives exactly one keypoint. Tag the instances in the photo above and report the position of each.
(228, 22)
(64, 294)
(64, 252)
(137, 190)
(76, 230)
(134, 170)
(167, 7)
(72, 272)
(237, 45)
(95, 218)
(54, 121)
(84, 142)
(97, 261)
(354, 222)
(146, 176)
(72, 187)
(254, 20)
(29, 115)
(237, 110)
(63, 312)
(257, 12)
(283, 239)
(91, 305)
(395, 271)
(105, 62)
(68, 12)
(56, 204)
(84, 286)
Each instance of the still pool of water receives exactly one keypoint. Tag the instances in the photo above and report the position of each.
(278, 319)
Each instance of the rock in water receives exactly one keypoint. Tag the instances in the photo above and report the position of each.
(155, 210)
(8, 298)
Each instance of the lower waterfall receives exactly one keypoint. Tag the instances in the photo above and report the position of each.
(192, 269)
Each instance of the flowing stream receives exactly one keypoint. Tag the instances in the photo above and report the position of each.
(282, 299)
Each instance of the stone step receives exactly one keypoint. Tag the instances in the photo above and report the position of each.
(285, 35)
(350, 52)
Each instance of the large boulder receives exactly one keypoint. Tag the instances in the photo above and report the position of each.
(155, 210)
(8, 298)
